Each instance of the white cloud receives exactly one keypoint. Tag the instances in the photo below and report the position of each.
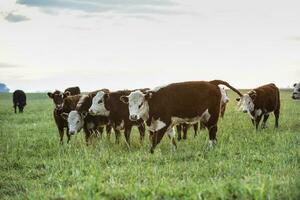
(236, 41)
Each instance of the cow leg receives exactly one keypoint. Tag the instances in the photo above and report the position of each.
(156, 138)
(61, 135)
(212, 131)
(257, 121)
(100, 131)
(68, 135)
(142, 131)
(202, 125)
(20, 109)
(253, 122)
(185, 129)
(263, 125)
(178, 127)
(276, 114)
(88, 133)
(108, 131)
(171, 133)
(223, 108)
(195, 129)
(15, 107)
(117, 135)
(127, 134)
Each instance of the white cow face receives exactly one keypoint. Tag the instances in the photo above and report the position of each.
(137, 104)
(75, 122)
(246, 102)
(98, 104)
(296, 92)
(224, 98)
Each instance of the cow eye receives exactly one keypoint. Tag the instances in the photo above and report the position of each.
(140, 105)
(100, 101)
(77, 122)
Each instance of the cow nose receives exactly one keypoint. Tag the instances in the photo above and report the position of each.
(133, 117)
(91, 111)
(244, 111)
(72, 132)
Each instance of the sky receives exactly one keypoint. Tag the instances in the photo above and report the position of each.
(128, 44)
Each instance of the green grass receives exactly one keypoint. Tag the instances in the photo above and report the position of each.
(244, 165)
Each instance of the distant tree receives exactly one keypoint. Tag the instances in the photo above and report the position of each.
(3, 88)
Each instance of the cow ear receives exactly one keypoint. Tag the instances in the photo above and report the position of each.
(238, 99)
(252, 94)
(66, 94)
(124, 99)
(148, 95)
(64, 115)
(50, 95)
(106, 96)
(295, 84)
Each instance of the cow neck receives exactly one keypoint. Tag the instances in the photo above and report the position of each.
(145, 117)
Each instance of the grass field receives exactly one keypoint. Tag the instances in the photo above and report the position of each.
(245, 164)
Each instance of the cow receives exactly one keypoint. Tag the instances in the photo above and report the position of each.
(79, 118)
(296, 91)
(60, 121)
(19, 100)
(184, 127)
(58, 96)
(184, 102)
(260, 102)
(110, 105)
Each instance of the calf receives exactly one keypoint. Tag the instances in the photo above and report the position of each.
(260, 102)
(79, 118)
(185, 102)
(60, 121)
(296, 92)
(185, 127)
(19, 100)
(58, 97)
(110, 105)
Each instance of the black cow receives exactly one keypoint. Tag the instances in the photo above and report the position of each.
(19, 100)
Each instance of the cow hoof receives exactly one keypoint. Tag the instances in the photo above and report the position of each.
(151, 150)
(212, 143)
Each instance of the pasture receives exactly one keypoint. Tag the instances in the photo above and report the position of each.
(245, 164)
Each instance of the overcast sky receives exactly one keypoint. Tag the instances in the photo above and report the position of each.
(118, 44)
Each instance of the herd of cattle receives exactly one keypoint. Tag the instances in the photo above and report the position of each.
(181, 104)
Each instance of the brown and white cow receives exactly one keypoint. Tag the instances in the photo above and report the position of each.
(184, 127)
(79, 118)
(110, 105)
(58, 97)
(260, 102)
(185, 102)
(296, 91)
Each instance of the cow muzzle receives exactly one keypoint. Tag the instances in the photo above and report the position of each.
(92, 112)
(72, 132)
(133, 117)
(295, 96)
(245, 111)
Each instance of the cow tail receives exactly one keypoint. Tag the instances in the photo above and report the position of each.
(220, 82)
